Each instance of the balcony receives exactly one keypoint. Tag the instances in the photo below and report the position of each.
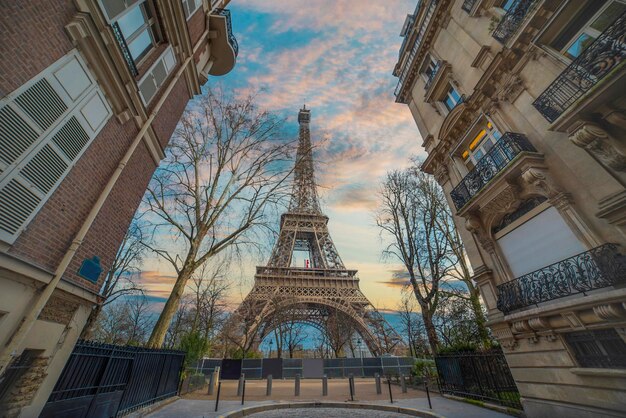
(598, 60)
(496, 160)
(598, 268)
(224, 46)
(130, 62)
(512, 20)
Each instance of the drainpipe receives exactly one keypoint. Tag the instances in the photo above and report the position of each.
(10, 350)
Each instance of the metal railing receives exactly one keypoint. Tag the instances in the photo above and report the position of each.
(495, 160)
(599, 348)
(130, 62)
(598, 268)
(229, 28)
(592, 65)
(432, 76)
(406, 68)
(115, 379)
(484, 376)
(512, 20)
(468, 5)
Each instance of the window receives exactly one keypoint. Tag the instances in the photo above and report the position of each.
(429, 71)
(598, 348)
(452, 98)
(190, 7)
(156, 75)
(44, 128)
(138, 26)
(481, 144)
(594, 27)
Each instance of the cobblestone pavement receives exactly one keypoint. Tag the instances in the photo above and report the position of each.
(327, 413)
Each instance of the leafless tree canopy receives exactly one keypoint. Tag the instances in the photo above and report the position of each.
(224, 171)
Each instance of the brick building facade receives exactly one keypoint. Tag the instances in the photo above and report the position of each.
(90, 93)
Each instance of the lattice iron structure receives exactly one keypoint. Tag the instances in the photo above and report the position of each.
(283, 292)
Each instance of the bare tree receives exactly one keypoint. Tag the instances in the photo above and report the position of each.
(295, 335)
(222, 174)
(124, 322)
(412, 326)
(119, 280)
(412, 202)
(338, 330)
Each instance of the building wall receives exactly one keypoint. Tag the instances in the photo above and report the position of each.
(31, 261)
(502, 82)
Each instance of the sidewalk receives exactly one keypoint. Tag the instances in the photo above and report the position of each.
(200, 405)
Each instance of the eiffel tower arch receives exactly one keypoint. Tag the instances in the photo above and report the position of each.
(313, 292)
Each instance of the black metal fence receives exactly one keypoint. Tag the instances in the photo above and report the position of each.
(484, 376)
(104, 380)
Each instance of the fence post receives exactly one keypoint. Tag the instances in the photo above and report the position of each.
(403, 383)
(351, 384)
(268, 391)
(324, 385)
(390, 395)
(242, 379)
(217, 399)
(211, 383)
(243, 391)
(378, 385)
(297, 392)
(430, 405)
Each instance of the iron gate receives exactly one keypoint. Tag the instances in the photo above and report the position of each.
(484, 376)
(104, 380)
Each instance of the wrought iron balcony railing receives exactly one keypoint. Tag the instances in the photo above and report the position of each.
(432, 75)
(598, 268)
(512, 20)
(592, 65)
(130, 62)
(468, 5)
(229, 27)
(495, 160)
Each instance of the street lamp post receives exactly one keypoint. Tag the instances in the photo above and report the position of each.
(270, 353)
(360, 348)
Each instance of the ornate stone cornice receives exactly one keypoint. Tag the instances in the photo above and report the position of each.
(596, 141)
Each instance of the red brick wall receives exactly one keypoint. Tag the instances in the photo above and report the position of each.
(169, 115)
(106, 233)
(196, 25)
(48, 236)
(32, 37)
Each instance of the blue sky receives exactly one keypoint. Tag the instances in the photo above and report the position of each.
(337, 55)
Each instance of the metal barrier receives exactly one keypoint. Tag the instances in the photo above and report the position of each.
(289, 368)
(484, 376)
(113, 380)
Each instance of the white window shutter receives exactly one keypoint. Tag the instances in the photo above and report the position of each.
(45, 127)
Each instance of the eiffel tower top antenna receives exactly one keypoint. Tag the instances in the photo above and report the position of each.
(304, 197)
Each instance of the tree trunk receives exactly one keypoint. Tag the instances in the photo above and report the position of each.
(91, 322)
(431, 332)
(479, 316)
(171, 306)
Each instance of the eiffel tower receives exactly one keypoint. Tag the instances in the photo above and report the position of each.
(320, 288)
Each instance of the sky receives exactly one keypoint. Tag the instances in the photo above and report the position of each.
(337, 56)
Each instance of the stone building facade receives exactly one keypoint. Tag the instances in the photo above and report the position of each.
(90, 93)
(522, 109)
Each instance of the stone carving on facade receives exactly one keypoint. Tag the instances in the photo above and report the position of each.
(506, 201)
(511, 88)
(537, 181)
(441, 174)
(610, 311)
(597, 142)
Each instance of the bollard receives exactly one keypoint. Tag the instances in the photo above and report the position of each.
(390, 395)
(243, 391)
(324, 385)
(297, 392)
(378, 385)
(211, 383)
(430, 405)
(351, 384)
(217, 399)
(240, 385)
(268, 391)
(403, 383)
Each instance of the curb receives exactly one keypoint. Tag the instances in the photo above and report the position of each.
(388, 408)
